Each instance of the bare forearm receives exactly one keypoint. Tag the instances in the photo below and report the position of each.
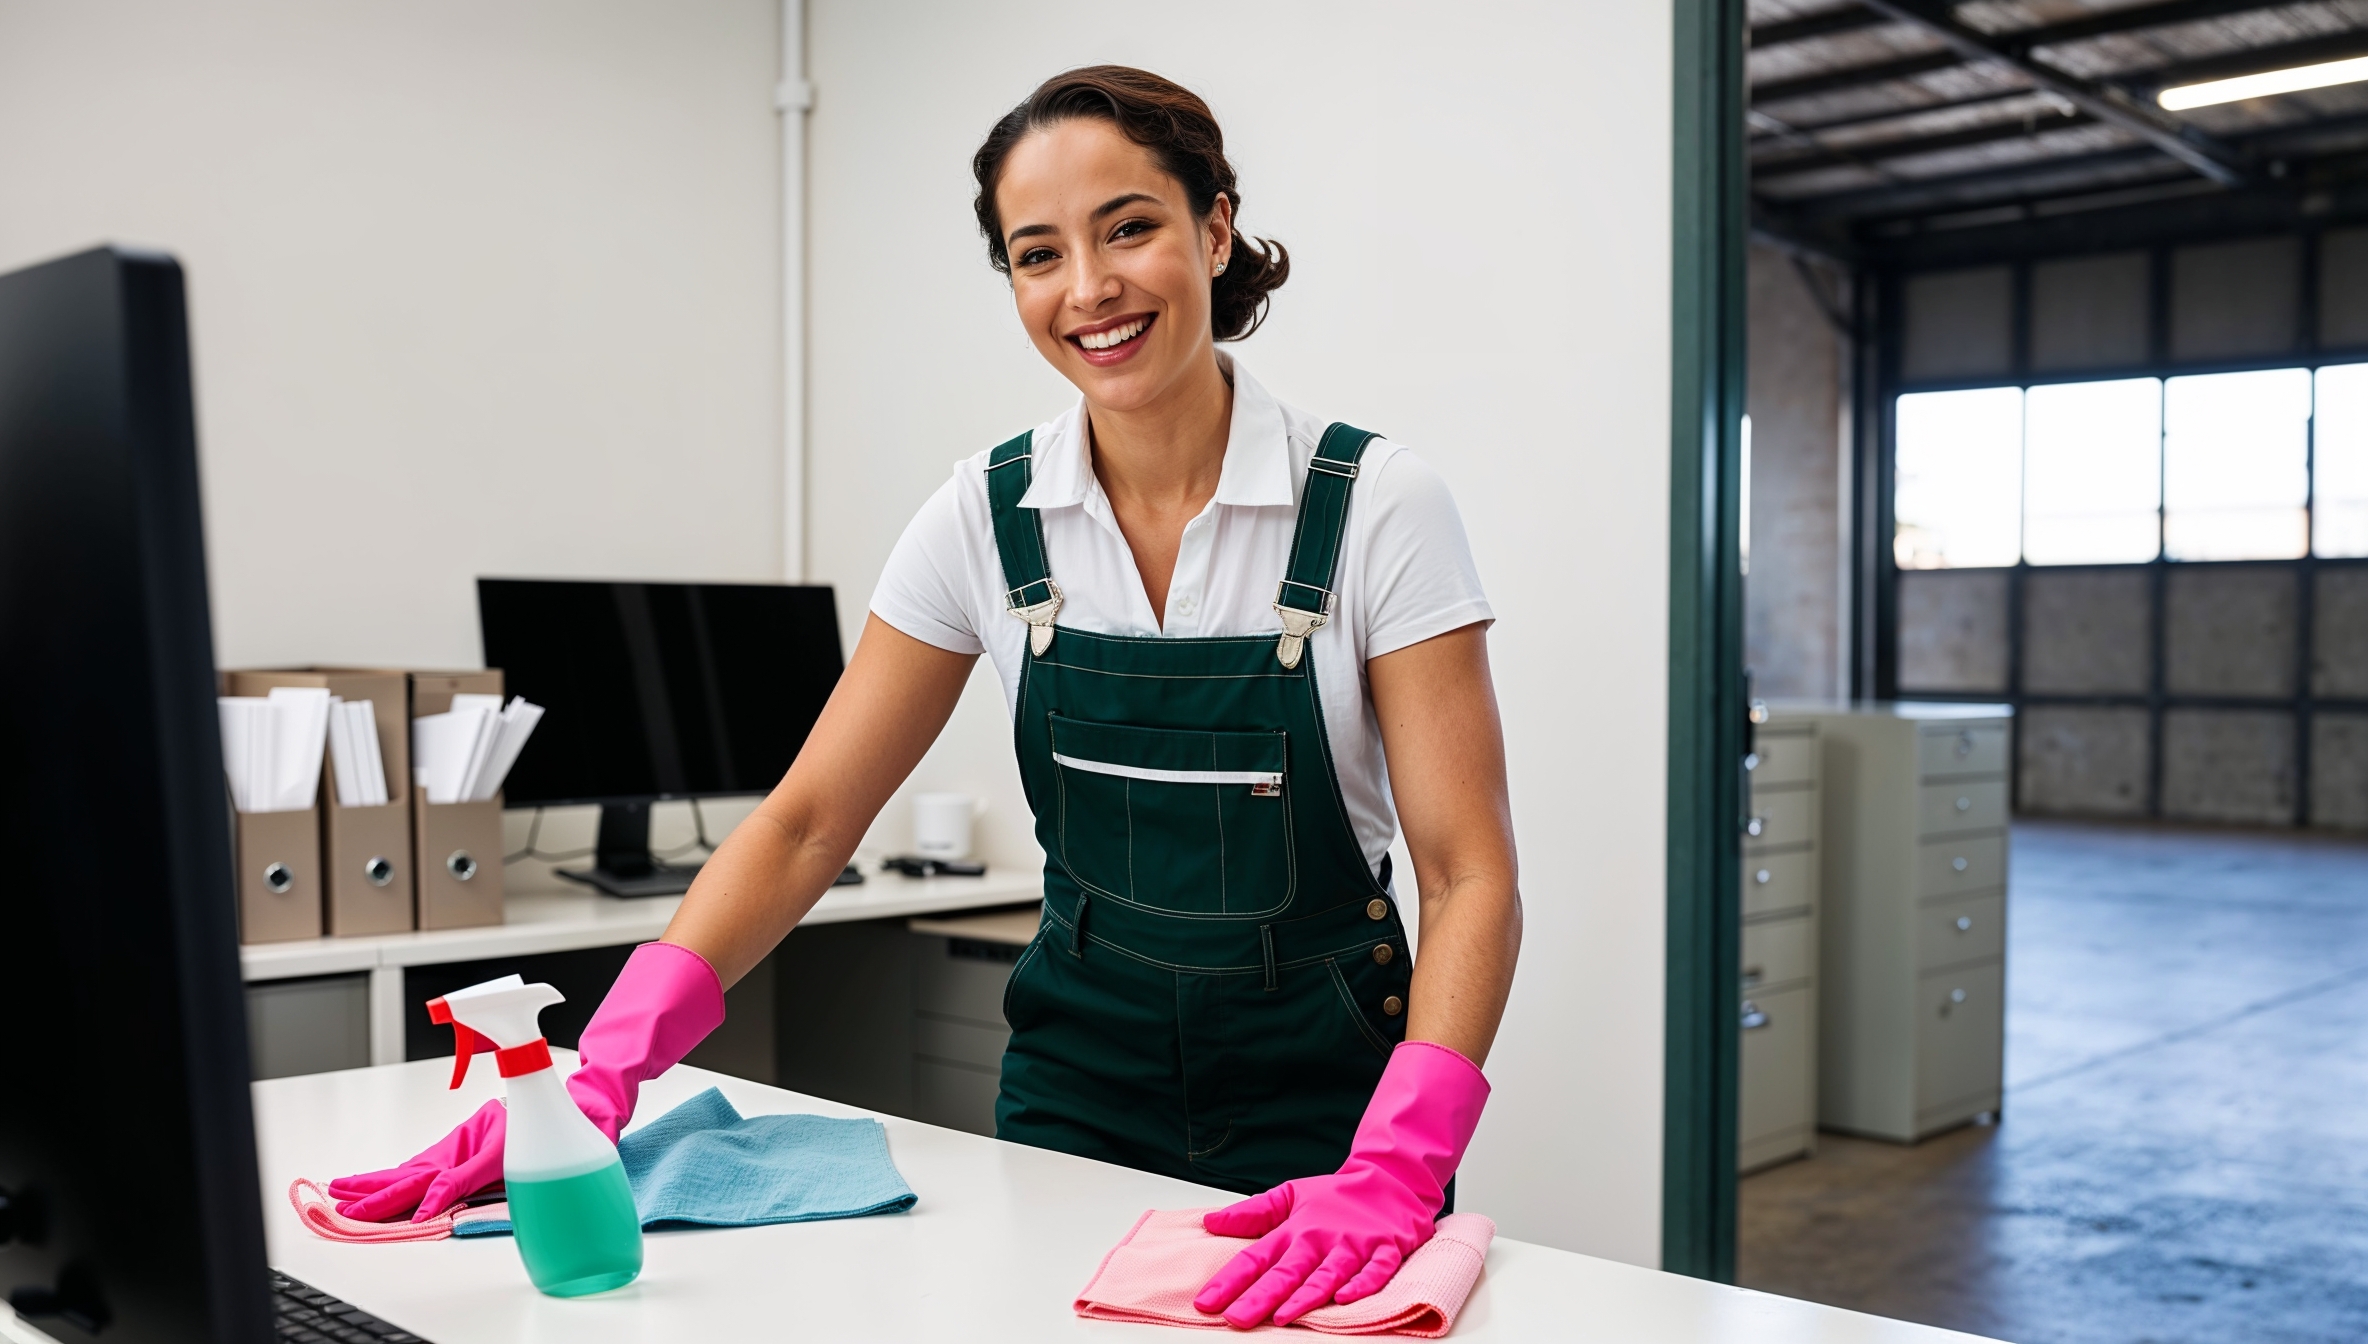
(760, 883)
(1471, 938)
(1437, 711)
(896, 694)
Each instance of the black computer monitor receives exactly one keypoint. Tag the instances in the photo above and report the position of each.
(127, 1150)
(656, 691)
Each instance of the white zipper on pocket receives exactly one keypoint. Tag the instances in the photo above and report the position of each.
(1263, 783)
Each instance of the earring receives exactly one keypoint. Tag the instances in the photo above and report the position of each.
(1221, 268)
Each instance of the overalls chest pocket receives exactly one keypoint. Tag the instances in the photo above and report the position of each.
(1169, 819)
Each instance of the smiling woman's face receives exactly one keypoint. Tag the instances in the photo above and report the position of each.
(1109, 268)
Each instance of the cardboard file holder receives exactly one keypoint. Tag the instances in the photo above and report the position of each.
(367, 863)
(279, 875)
(457, 846)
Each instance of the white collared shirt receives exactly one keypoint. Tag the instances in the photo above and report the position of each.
(1405, 572)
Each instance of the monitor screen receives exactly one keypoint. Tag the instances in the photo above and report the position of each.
(127, 1153)
(659, 690)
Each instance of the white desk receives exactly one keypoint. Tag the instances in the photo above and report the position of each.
(567, 920)
(1001, 1241)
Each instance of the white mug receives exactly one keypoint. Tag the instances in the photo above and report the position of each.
(941, 824)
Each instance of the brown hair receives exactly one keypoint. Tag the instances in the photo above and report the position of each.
(1176, 126)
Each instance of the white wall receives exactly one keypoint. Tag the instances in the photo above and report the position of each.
(475, 288)
(500, 282)
(1476, 198)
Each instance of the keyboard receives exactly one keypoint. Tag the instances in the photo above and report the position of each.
(309, 1316)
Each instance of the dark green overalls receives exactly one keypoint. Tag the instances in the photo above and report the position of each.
(1219, 978)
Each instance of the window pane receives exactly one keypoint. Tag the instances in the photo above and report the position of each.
(2235, 465)
(2094, 458)
(1960, 478)
(2341, 499)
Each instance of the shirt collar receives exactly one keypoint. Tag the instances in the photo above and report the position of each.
(1257, 470)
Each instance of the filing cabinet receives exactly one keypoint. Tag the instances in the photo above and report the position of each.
(961, 965)
(1777, 1108)
(1912, 913)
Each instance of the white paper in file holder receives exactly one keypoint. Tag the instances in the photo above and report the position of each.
(464, 754)
(271, 747)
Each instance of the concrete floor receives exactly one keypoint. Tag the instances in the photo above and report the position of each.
(2183, 1157)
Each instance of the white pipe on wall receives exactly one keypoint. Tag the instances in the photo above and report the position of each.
(793, 97)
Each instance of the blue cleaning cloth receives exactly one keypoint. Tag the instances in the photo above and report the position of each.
(703, 1163)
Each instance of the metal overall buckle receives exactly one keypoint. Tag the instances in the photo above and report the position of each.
(1298, 625)
(1039, 616)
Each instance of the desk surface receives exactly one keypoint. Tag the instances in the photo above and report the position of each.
(1001, 1241)
(562, 921)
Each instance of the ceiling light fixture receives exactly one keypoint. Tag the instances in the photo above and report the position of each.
(2264, 84)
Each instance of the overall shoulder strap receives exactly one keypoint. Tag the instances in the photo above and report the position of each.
(1028, 590)
(1304, 600)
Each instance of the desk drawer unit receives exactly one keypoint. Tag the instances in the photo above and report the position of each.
(1960, 1045)
(1778, 951)
(958, 1031)
(952, 985)
(953, 1041)
(1963, 864)
(1777, 1111)
(1786, 816)
(1961, 805)
(1783, 758)
(955, 1096)
(1978, 750)
(1773, 882)
(1960, 929)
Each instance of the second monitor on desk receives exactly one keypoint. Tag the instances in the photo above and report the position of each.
(654, 692)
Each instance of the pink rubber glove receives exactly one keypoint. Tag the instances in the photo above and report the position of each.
(663, 1004)
(1342, 1237)
(467, 1160)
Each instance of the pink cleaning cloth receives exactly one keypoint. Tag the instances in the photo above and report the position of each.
(319, 1213)
(1152, 1275)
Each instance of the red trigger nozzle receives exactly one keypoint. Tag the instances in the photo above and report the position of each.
(464, 1041)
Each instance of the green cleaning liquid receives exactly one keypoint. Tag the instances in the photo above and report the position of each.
(577, 1234)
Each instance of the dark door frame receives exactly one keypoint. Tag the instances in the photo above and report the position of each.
(1709, 227)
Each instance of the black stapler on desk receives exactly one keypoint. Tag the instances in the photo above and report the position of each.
(912, 866)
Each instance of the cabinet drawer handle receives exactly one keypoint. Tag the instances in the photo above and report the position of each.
(1752, 976)
(1751, 760)
(1755, 825)
(1965, 804)
(1964, 744)
(1964, 923)
(1959, 864)
(1762, 876)
(1753, 1018)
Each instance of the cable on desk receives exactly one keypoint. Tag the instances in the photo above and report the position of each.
(700, 841)
(534, 830)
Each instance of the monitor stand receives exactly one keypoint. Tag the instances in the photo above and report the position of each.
(621, 861)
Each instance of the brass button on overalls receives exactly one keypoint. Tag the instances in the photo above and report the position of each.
(1376, 908)
(1382, 955)
(1393, 1005)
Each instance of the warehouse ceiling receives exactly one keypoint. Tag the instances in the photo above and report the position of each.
(1878, 128)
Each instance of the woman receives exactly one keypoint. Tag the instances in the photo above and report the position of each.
(1221, 989)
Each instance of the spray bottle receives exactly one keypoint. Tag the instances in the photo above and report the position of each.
(570, 1206)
